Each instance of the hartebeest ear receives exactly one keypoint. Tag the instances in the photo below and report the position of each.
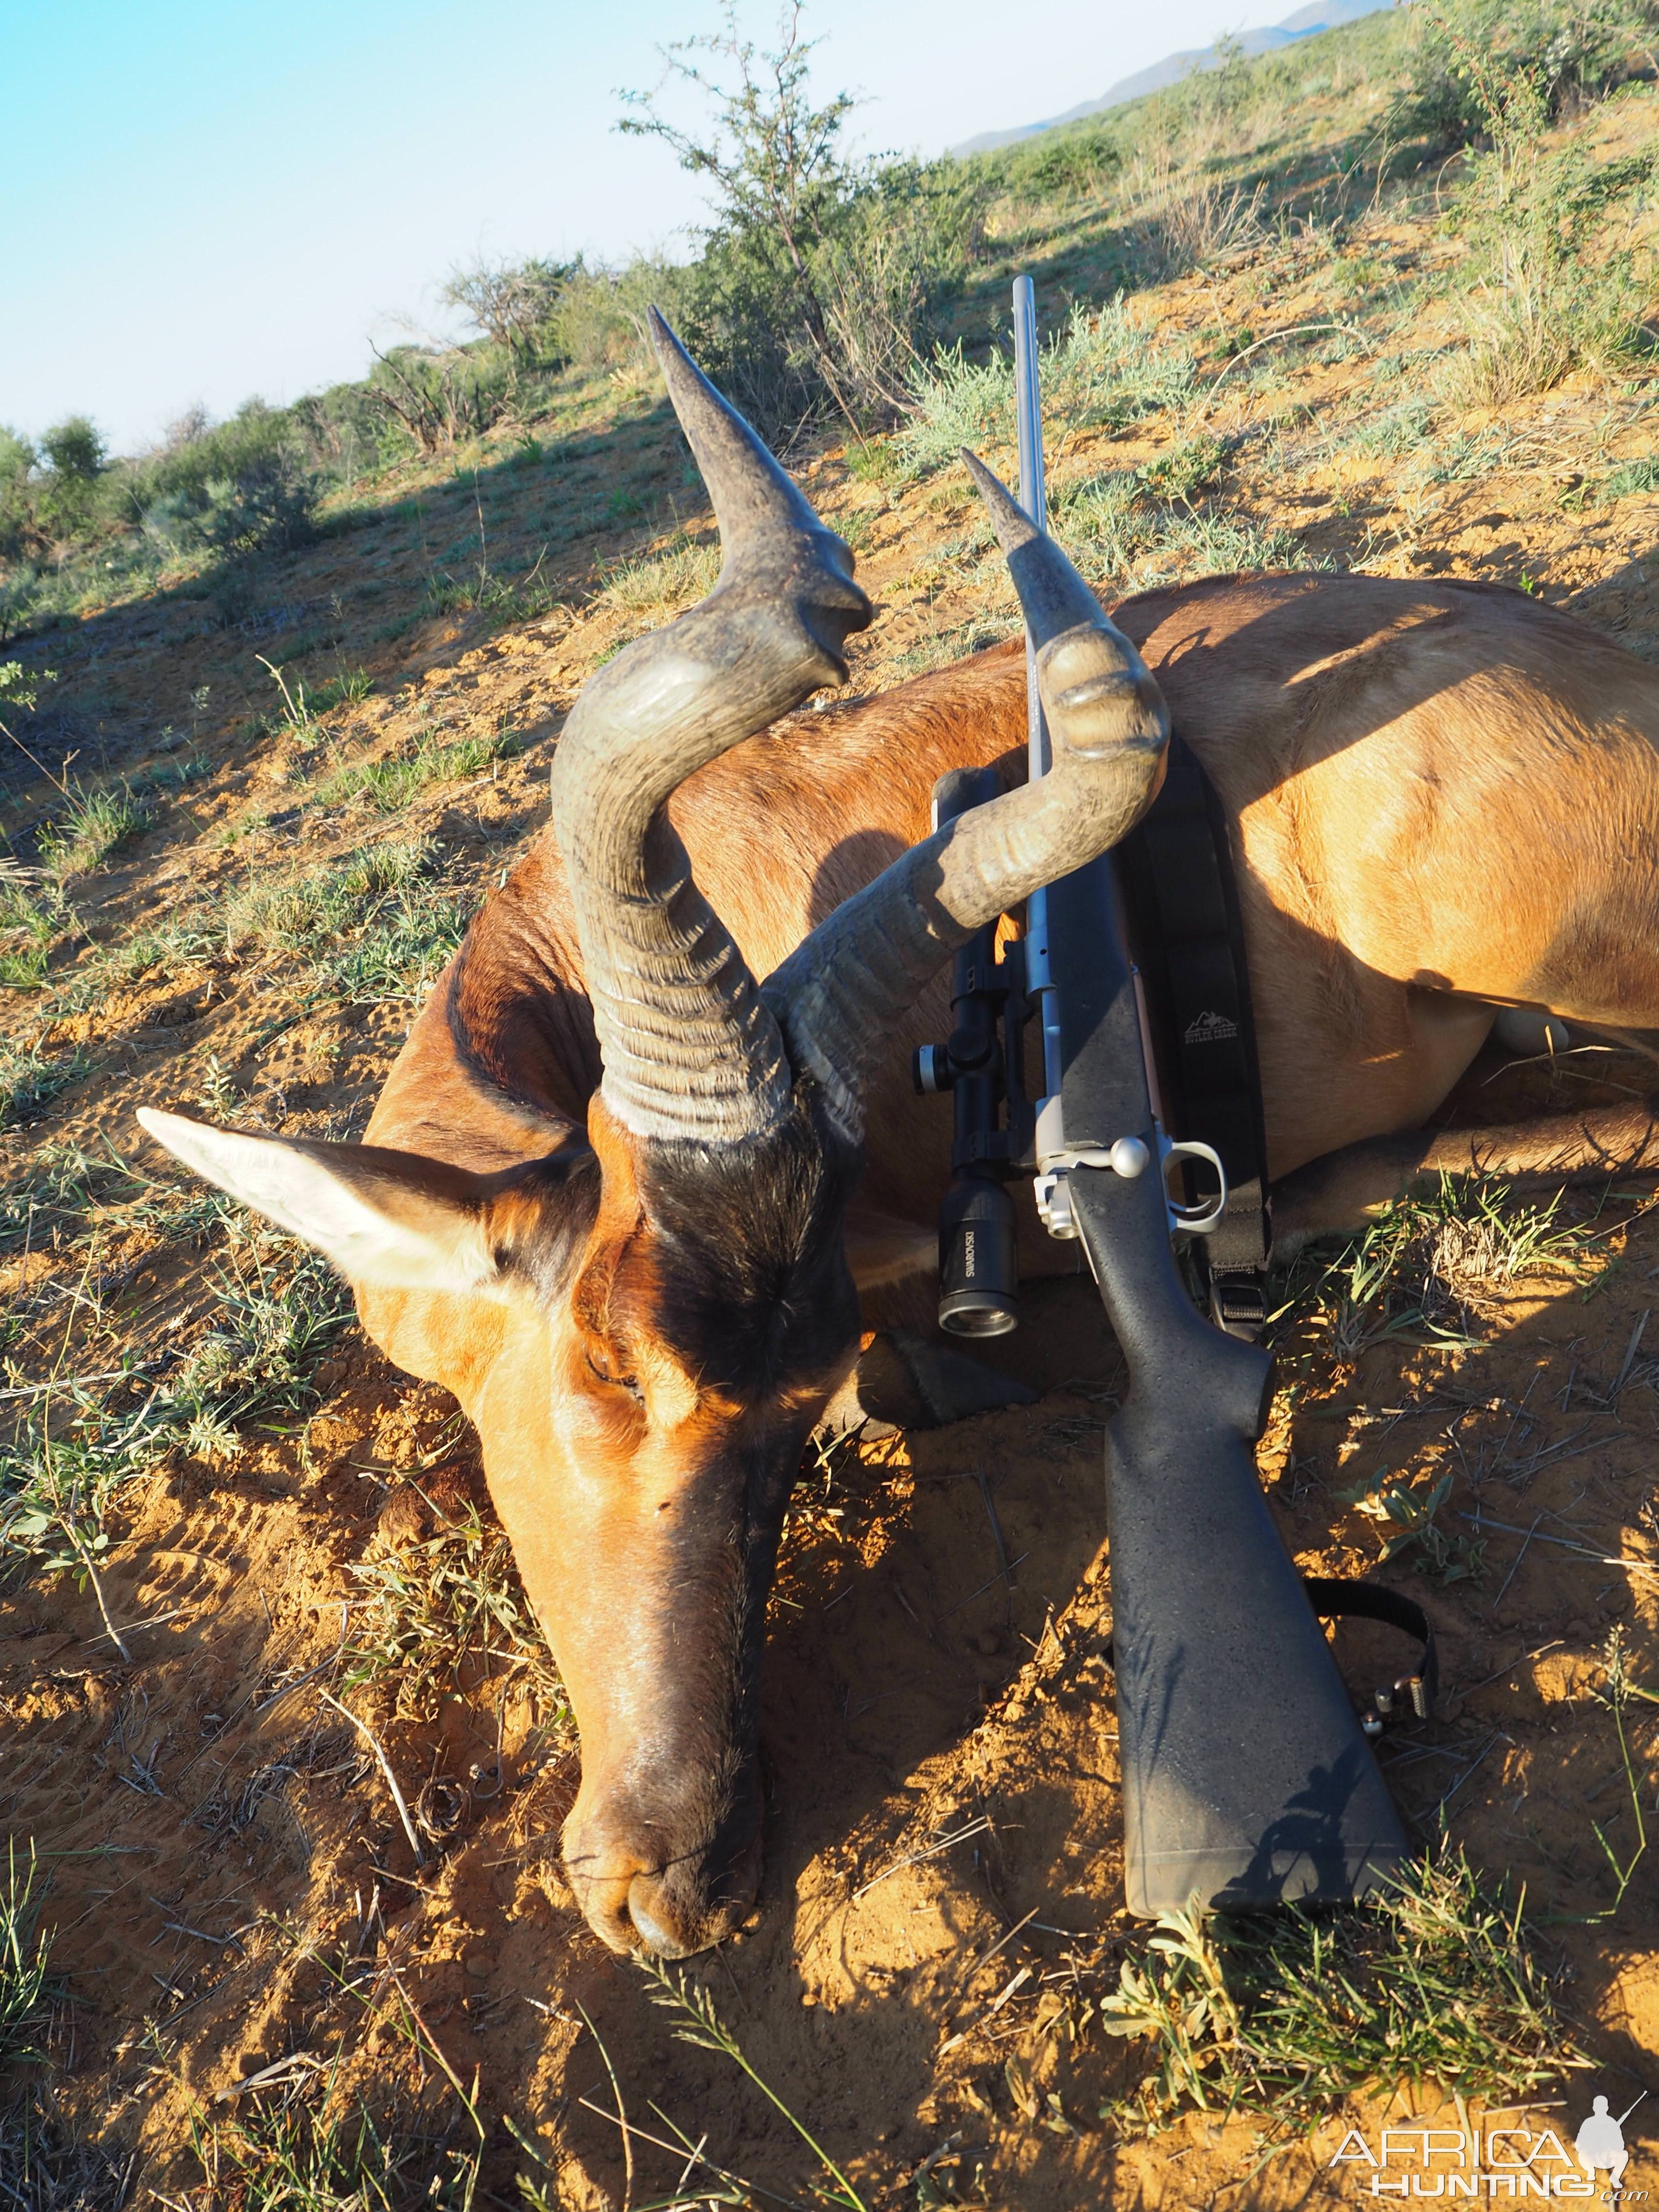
(387, 1220)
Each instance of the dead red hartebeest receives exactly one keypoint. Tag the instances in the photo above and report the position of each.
(623, 1199)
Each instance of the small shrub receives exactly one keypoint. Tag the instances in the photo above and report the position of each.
(17, 529)
(1631, 477)
(1546, 304)
(599, 322)
(1176, 228)
(1078, 161)
(1573, 51)
(814, 290)
(1390, 436)
(1404, 1512)
(956, 402)
(514, 304)
(1185, 469)
(233, 489)
(66, 490)
(441, 398)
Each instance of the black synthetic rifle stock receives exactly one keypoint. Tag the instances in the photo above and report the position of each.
(1247, 1778)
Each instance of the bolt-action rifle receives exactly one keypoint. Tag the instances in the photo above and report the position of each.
(1247, 1778)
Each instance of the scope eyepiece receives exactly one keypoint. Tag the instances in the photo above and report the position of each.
(978, 1259)
(931, 1070)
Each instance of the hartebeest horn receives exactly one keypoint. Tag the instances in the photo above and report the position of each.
(837, 994)
(690, 1050)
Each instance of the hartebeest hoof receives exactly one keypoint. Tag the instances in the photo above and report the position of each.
(904, 1382)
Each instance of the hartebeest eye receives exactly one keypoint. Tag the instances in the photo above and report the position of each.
(600, 1366)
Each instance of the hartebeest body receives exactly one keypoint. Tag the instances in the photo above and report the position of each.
(624, 1202)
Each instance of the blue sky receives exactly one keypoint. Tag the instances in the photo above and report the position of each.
(202, 202)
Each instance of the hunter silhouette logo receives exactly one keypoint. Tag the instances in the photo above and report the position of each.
(1487, 2161)
(1600, 2142)
(1208, 1028)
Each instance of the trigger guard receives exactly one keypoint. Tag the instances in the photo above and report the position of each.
(1195, 1220)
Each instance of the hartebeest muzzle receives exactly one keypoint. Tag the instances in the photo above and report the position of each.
(646, 1319)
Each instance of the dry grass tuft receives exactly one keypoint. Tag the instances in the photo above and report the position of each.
(649, 591)
(1440, 1268)
(444, 1611)
(1287, 2016)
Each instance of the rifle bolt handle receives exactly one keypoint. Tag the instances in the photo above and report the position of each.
(1129, 1158)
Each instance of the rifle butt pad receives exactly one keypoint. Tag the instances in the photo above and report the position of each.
(1247, 1781)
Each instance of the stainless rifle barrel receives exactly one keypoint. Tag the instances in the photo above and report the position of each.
(1028, 411)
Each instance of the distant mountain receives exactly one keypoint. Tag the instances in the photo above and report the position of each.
(1321, 15)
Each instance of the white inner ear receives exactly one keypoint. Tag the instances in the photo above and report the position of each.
(426, 1243)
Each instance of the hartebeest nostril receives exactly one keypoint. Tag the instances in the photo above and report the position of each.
(657, 1933)
(680, 1911)
(640, 1893)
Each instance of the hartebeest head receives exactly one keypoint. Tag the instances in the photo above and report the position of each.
(645, 1326)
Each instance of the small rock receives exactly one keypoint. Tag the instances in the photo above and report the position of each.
(480, 1964)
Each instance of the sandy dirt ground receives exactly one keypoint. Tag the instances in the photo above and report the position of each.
(942, 1910)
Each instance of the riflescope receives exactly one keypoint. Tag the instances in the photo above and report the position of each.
(979, 1064)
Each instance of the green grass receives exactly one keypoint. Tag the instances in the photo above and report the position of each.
(1631, 477)
(279, 1309)
(1187, 467)
(389, 785)
(30, 1078)
(65, 1191)
(79, 1439)
(299, 716)
(1122, 536)
(377, 925)
(699, 2025)
(1435, 1266)
(25, 1987)
(373, 927)
(1104, 369)
(1284, 2016)
(503, 597)
(434, 1610)
(650, 590)
(295, 2156)
(89, 829)
(32, 915)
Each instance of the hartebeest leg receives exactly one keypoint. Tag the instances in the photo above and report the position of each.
(1345, 1189)
(902, 1380)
